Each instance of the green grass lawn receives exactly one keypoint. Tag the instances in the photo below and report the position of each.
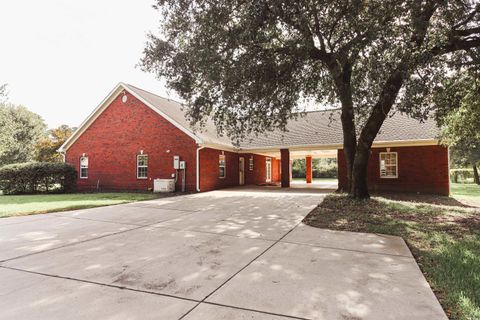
(465, 191)
(42, 203)
(442, 233)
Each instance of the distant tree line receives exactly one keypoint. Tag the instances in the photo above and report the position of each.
(321, 168)
(24, 136)
(459, 117)
(29, 161)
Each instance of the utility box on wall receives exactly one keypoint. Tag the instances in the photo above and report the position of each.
(164, 185)
(176, 162)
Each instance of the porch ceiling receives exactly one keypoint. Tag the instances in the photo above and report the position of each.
(301, 154)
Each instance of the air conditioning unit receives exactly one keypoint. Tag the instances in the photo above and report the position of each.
(163, 185)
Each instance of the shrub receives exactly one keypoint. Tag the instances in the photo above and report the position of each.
(326, 172)
(321, 168)
(461, 175)
(33, 177)
(324, 168)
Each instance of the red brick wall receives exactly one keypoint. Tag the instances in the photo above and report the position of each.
(285, 166)
(259, 173)
(276, 172)
(421, 169)
(209, 170)
(210, 173)
(115, 138)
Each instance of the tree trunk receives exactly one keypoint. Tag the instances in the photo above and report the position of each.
(359, 184)
(342, 78)
(476, 178)
(359, 187)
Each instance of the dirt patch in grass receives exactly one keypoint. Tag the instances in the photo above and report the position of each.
(443, 237)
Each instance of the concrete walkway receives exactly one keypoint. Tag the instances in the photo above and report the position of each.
(233, 254)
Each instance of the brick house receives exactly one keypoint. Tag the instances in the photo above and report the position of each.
(132, 137)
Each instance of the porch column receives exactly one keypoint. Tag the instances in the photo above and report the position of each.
(308, 173)
(285, 165)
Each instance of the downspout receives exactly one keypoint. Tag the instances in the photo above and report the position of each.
(198, 168)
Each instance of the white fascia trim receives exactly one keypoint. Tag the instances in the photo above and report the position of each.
(86, 123)
(105, 103)
(219, 147)
(377, 144)
(164, 115)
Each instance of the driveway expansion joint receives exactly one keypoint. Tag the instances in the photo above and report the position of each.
(147, 292)
(243, 268)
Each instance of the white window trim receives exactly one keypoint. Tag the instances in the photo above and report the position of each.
(80, 167)
(142, 178)
(224, 166)
(250, 164)
(380, 165)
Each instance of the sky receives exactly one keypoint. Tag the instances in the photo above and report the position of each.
(61, 58)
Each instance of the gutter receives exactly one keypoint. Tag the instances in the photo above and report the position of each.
(198, 168)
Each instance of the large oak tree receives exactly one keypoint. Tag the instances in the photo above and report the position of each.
(458, 102)
(249, 65)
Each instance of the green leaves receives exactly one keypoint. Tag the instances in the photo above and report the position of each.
(32, 177)
(459, 114)
(20, 131)
(46, 148)
(248, 65)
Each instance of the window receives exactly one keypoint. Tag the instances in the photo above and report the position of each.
(142, 166)
(250, 164)
(388, 165)
(221, 166)
(83, 167)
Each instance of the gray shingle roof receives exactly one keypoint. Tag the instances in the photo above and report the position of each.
(314, 128)
(325, 128)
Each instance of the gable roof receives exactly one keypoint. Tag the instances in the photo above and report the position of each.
(175, 111)
(315, 128)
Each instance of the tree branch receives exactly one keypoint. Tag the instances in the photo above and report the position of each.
(469, 17)
(466, 32)
(454, 45)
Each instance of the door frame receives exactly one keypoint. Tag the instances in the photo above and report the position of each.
(268, 170)
(241, 171)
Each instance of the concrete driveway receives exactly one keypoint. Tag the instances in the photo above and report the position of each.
(232, 254)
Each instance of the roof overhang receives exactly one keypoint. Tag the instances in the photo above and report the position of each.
(119, 88)
(336, 146)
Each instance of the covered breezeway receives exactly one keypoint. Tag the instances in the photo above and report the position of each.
(310, 177)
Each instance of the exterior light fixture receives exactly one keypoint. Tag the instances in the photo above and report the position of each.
(124, 97)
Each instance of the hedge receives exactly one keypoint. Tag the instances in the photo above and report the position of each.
(461, 175)
(34, 177)
(321, 168)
